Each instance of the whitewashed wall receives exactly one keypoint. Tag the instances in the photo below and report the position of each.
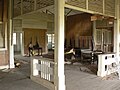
(35, 21)
(50, 27)
(17, 24)
(30, 23)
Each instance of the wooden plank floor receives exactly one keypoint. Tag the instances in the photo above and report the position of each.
(78, 80)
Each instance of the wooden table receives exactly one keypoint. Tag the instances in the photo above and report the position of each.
(39, 50)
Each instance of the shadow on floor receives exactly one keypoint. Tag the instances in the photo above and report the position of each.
(18, 78)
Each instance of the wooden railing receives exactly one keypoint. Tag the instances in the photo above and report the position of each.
(42, 72)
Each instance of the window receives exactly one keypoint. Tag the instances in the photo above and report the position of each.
(2, 36)
(49, 38)
(3, 24)
(50, 41)
(103, 35)
(98, 36)
(53, 41)
(14, 38)
(109, 37)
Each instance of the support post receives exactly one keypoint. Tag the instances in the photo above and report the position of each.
(22, 44)
(94, 35)
(87, 4)
(59, 76)
(34, 70)
(103, 6)
(11, 48)
(46, 41)
(116, 29)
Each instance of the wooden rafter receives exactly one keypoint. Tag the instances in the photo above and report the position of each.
(31, 5)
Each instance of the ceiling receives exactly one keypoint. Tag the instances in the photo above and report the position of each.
(30, 5)
(39, 3)
(42, 6)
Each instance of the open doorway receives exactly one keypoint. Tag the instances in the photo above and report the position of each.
(17, 41)
(50, 42)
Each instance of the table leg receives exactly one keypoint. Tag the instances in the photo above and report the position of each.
(41, 51)
(38, 52)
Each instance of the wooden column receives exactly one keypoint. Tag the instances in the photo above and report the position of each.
(22, 44)
(59, 45)
(94, 35)
(10, 28)
(46, 40)
(116, 28)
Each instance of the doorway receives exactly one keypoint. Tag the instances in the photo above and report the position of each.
(17, 42)
(104, 40)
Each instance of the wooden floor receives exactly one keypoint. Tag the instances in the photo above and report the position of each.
(85, 80)
(80, 77)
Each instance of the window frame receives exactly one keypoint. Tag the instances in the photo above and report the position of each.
(5, 37)
(98, 36)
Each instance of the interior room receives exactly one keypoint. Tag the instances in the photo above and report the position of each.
(59, 44)
(85, 33)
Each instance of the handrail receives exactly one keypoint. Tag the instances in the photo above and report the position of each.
(44, 59)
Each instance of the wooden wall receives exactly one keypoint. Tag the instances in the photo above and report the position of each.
(33, 34)
(77, 26)
(1, 10)
(4, 58)
(4, 55)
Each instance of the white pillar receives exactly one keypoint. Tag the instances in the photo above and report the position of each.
(116, 29)
(34, 70)
(116, 37)
(94, 35)
(22, 43)
(11, 49)
(46, 41)
(59, 45)
(18, 46)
